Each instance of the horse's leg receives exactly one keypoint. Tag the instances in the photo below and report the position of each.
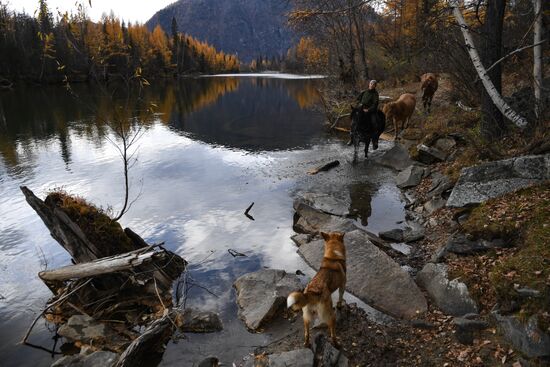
(395, 127)
(375, 141)
(367, 142)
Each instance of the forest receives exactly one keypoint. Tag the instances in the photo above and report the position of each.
(52, 48)
(398, 40)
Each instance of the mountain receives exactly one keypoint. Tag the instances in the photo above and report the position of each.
(249, 28)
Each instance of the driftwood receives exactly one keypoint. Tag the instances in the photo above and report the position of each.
(324, 167)
(150, 343)
(106, 265)
(132, 287)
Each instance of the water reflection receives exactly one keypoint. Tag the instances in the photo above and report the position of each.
(253, 113)
(361, 195)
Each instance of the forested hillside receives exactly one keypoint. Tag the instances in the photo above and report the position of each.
(248, 28)
(49, 48)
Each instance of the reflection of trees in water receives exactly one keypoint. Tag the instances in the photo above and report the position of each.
(305, 93)
(361, 194)
(183, 97)
(29, 114)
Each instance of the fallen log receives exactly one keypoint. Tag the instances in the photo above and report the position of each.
(106, 265)
(324, 167)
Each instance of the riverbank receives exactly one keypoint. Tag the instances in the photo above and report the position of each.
(479, 254)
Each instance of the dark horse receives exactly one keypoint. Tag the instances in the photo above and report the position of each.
(366, 127)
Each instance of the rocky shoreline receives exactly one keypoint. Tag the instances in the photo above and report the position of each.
(405, 273)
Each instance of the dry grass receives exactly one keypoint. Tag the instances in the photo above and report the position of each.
(98, 227)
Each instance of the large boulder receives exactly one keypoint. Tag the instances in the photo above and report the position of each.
(397, 158)
(480, 183)
(326, 203)
(413, 232)
(262, 294)
(373, 276)
(410, 176)
(312, 221)
(451, 296)
(525, 336)
(430, 155)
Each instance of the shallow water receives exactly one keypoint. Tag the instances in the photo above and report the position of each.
(213, 146)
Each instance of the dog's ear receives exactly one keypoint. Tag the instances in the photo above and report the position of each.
(325, 235)
(340, 235)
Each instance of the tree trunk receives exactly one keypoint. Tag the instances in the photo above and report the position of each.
(537, 57)
(492, 122)
(496, 98)
(144, 350)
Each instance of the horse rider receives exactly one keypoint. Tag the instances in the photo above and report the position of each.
(368, 100)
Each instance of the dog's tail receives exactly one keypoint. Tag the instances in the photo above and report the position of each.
(296, 301)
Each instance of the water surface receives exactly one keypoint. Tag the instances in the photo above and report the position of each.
(212, 146)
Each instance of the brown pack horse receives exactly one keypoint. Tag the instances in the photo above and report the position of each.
(400, 111)
(429, 85)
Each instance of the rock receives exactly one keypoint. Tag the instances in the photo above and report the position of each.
(410, 176)
(422, 324)
(298, 358)
(86, 330)
(95, 359)
(440, 184)
(196, 321)
(409, 269)
(402, 248)
(393, 235)
(373, 276)
(312, 221)
(209, 362)
(260, 295)
(413, 233)
(445, 144)
(452, 297)
(527, 337)
(326, 203)
(527, 292)
(434, 204)
(469, 324)
(432, 222)
(326, 355)
(429, 155)
(301, 238)
(489, 180)
(397, 158)
(459, 244)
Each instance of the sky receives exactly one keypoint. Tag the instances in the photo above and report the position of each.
(128, 10)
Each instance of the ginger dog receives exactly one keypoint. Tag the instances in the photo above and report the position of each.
(316, 299)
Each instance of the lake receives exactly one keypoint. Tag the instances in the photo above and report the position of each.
(209, 148)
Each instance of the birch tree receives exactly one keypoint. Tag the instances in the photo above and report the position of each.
(537, 56)
(493, 93)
